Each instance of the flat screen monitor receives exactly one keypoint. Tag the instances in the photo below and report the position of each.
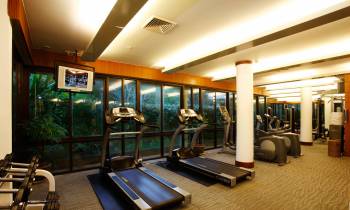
(74, 79)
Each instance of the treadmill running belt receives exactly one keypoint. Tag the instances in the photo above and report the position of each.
(217, 166)
(149, 189)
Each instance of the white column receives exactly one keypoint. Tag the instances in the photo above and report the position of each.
(306, 116)
(5, 90)
(327, 111)
(245, 118)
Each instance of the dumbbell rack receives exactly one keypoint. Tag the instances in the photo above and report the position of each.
(23, 175)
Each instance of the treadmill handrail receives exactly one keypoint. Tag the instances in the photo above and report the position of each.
(125, 133)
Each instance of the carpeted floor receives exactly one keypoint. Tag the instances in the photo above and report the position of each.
(314, 181)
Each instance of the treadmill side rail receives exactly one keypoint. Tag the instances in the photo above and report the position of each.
(185, 194)
(232, 179)
(252, 172)
(132, 195)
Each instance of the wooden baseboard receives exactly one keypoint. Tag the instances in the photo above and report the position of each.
(244, 164)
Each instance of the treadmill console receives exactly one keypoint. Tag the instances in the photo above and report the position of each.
(125, 113)
(189, 114)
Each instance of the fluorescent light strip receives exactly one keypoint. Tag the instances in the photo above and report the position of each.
(147, 91)
(288, 95)
(237, 33)
(303, 83)
(297, 99)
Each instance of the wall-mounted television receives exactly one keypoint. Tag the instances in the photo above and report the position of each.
(75, 77)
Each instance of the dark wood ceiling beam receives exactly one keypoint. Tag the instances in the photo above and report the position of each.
(322, 20)
(122, 12)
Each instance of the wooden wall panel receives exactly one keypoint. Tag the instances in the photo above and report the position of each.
(347, 108)
(16, 12)
(47, 59)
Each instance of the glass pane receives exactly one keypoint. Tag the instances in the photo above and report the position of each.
(208, 106)
(88, 111)
(58, 156)
(115, 93)
(208, 99)
(220, 101)
(48, 109)
(187, 98)
(130, 146)
(208, 138)
(167, 140)
(130, 93)
(150, 103)
(261, 100)
(195, 92)
(219, 136)
(171, 106)
(130, 101)
(150, 147)
(115, 147)
(86, 155)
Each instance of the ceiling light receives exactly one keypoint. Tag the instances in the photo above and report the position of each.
(297, 99)
(147, 91)
(248, 29)
(92, 13)
(292, 90)
(301, 74)
(303, 83)
(173, 94)
(288, 95)
(330, 49)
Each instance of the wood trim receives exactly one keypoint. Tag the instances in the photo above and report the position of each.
(347, 109)
(244, 164)
(16, 12)
(243, 62)
(306, 143)
(47, 59)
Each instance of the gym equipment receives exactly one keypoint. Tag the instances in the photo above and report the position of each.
(24, 174)
(228, 145)
(189, 157)
(140, 186)
(291, 140)
(267, 148)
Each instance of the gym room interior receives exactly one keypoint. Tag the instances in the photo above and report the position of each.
(175, 104)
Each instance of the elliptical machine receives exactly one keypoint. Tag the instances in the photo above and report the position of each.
(267, 148)
(291, 140)
(228, 145)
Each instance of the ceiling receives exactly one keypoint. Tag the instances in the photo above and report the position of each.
(59, 25)
(203, 27)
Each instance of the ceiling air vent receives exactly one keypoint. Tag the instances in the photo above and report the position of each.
(159, 25)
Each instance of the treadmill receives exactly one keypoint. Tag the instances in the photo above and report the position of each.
(190, 157)
(140, 186)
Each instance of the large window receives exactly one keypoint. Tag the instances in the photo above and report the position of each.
(115, 93)
(187, 98)
(88, 111)
(78, 118)
(130, 93)
(171, 106)
(208, 109)
(150, 104)
(196, 102)
(220, 101)
(47, 104)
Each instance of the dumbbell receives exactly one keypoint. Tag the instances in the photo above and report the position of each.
(7, 167)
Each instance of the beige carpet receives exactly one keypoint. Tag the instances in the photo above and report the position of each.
(314, 181)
